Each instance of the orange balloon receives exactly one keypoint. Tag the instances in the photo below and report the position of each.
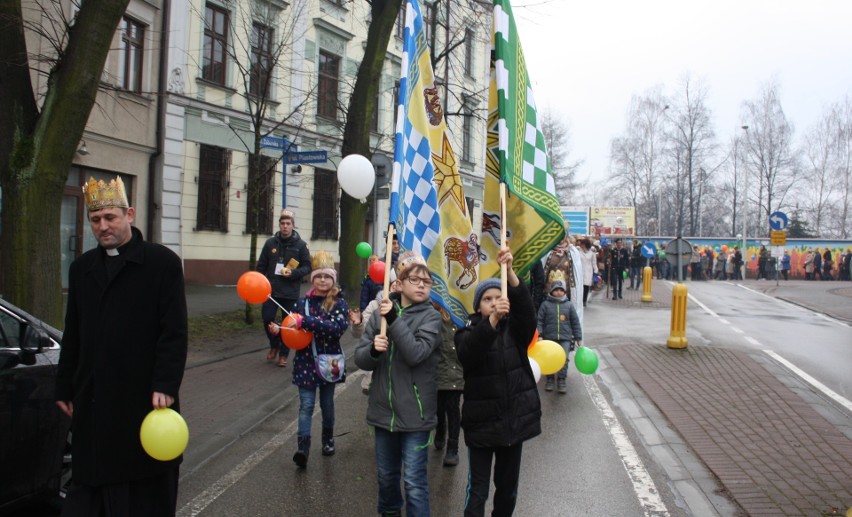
(534, 339)
(295, 339)
(253, 287)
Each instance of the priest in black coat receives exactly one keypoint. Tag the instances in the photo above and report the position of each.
(123, 354)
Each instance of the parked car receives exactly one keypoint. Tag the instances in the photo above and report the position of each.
(35, 437)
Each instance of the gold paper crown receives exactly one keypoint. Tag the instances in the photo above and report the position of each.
(556, 276)
(406, 259)
(322, 260)
(101, 195)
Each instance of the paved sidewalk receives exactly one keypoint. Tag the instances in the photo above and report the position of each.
(771, 451)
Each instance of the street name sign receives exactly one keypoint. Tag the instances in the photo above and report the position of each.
(306, 157)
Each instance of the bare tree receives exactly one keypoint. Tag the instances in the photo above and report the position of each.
(693, 138)
(557, 136)
(818, 184)
(769, 153)
(637, 159)
(39, 132)
(842, 161)
(264, 35)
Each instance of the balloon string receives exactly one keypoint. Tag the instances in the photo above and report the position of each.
(279, 305)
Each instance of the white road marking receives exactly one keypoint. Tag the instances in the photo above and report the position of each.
(723, 320)
(737, 330)
(752, 341)
(800, 307)
(707, 309)
(206, 498)
(813, 382)
(644, 487)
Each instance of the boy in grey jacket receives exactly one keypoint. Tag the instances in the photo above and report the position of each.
(558, 321)
(403, 397)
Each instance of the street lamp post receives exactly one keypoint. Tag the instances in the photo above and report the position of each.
(745, 213)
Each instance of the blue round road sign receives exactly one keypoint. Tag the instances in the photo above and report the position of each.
(778, 221)
(649, 250)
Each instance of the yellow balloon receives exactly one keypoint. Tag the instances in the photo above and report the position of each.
(549, 355)
(164, 434)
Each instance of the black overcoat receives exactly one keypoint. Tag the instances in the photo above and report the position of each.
(124, 339)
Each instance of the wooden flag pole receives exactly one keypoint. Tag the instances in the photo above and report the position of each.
(388, 257)
(504, 279)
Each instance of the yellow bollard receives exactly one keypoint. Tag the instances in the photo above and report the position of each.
(677, 338)
(647, 276)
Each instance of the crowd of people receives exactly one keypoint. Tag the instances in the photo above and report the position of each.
(430, 379)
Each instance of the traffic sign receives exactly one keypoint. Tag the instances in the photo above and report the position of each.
(649, 250)
(306, 157)
(778, 237)
(778, 221)
(677, 247)
(274, 142)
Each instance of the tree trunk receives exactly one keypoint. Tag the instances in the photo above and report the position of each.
(356, 138)
(36, 149)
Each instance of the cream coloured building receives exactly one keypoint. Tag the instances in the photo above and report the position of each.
(316, 46)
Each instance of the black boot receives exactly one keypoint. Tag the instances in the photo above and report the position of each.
(328, 441)
(304, 449)
(439, 438)
(451, 459)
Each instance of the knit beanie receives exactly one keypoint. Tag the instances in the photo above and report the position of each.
(491, 283)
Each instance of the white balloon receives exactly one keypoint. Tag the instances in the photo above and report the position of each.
(536, 369)
(356, 176)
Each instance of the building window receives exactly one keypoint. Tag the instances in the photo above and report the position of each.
(468, 52)
(261, 173)
(467, 135)
(428, 17)
(329, 71)
(130, 55)
(325, 205)
(400, 23)
(395, 101)
(261, 60)
(213, 188)
(374, 123)
(215, 44)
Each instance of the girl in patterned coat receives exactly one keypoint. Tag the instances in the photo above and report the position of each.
(325, 313)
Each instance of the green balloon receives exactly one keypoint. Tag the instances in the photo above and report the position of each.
(363, 249)
(624, 274)
(663, 254)
(586, 360)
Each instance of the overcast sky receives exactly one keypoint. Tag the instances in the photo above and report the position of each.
(587, 58)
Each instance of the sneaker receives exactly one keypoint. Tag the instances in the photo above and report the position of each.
(282, 362)
(548, 386)
(328, 448)
(270, 356)
(561, 386)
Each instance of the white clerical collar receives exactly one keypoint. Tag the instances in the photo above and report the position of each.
(112, 252)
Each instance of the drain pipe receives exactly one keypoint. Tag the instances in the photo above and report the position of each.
(154, 183)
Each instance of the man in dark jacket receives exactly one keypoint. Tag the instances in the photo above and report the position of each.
(619, 261)
(285, 260)
(501, 405)
(123, 354)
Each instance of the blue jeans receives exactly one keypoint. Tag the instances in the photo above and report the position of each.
(636, 273)
(393, 452)
(307, 400)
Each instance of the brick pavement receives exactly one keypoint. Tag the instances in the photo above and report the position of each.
(771, 451)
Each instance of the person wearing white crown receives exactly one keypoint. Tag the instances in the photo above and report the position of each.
(123, 354)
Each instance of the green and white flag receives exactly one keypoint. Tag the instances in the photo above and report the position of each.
(517, 156)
